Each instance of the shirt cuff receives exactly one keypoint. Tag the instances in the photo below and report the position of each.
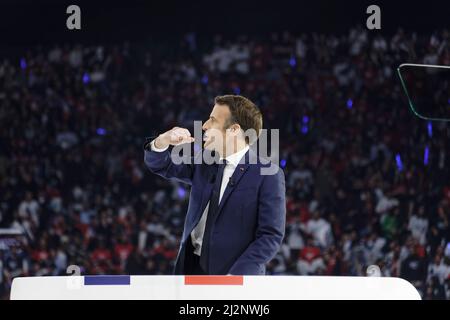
(153, 148)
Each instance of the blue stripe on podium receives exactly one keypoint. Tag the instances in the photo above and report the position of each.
(106, 280)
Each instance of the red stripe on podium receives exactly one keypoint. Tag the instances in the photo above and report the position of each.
(214, 280)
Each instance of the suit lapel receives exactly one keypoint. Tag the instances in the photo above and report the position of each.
(235, 177)
(206, 195)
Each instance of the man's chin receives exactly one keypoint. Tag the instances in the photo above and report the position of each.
(208, 146)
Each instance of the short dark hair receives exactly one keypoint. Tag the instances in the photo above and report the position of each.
(243, 112)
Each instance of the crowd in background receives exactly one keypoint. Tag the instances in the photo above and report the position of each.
(368, 183)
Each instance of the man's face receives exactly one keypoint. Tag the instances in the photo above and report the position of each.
(215, 133)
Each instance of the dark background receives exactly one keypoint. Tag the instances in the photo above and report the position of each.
(24, 22)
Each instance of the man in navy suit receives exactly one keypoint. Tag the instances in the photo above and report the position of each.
(236, 215)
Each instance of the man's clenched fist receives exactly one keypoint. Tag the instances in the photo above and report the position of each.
(174, 136)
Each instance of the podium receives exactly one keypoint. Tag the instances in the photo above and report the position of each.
(120, 287)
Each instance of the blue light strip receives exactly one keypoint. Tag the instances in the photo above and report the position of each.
(106, 280)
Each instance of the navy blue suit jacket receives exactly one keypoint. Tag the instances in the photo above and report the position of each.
(250, 224)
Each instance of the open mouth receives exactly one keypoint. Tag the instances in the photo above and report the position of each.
(206, 137)
(207, 140)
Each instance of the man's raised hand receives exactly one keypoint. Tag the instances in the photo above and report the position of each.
(174, 136)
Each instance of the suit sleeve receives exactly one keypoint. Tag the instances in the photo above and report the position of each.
(270, 229)
(159, 162)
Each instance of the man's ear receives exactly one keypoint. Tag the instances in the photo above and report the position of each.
(235, 127)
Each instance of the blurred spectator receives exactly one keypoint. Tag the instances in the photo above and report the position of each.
(310, 260)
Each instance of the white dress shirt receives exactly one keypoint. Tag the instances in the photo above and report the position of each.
(232, 162)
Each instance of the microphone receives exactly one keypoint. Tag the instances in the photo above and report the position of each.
(231, 182)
